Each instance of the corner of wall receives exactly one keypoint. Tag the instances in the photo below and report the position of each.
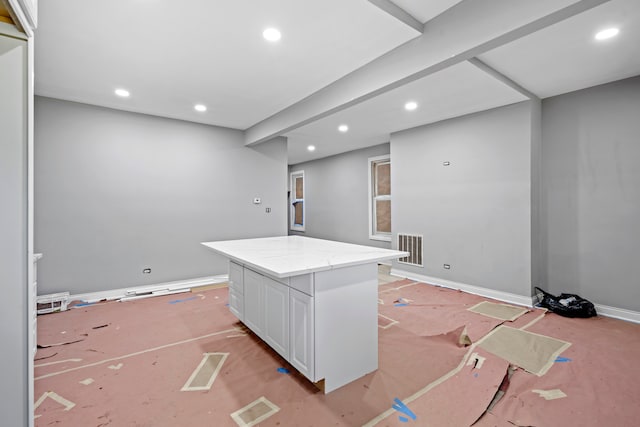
(537, 258)
(509, 297)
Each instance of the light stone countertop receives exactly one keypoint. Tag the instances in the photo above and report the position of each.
(287, 256)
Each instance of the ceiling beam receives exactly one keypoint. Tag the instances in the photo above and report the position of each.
(463, 32)
(399, 13)
(501, 77)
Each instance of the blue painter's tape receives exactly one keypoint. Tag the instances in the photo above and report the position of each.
(401, 407)
(403, 419)
(84, 304)
(175, 301)
(401, 305)
(226, 305)
(475, 375)
(283, 370)
(562, 359)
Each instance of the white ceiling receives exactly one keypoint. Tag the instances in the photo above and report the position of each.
(171, 56)
(372, 121)
(565, 57)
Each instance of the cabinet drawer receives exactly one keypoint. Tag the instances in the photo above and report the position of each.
(283, 280)
(236, 277)
(303, 283)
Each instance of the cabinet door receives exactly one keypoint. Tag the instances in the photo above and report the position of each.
(253, 302)
(236, 304)
(236, 281)
(276, 316)
(301, 333)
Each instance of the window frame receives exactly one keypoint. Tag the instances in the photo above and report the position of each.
(292, 200)
(373, 233)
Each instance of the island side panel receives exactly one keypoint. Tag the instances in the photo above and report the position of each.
(236, 290)
(346, 311)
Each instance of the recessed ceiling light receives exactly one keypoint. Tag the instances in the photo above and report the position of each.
(272, 34)
(411, 105)
(200, 107)
(606, 34)
(311, 148)
(122, 93)
(343, 128)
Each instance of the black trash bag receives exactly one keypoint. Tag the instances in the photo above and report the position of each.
(568, 305)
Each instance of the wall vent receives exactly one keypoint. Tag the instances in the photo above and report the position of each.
(411, 243)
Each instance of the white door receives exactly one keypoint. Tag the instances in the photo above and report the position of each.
(276, 316)
(301, 333)
(254, 302)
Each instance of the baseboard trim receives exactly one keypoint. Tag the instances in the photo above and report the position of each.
(618, 313)
(603, 310)
(472, 289)
(165, 288)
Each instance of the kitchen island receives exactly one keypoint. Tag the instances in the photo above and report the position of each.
(314, 301)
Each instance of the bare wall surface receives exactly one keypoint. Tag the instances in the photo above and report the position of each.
(591, 193)
(475, 213)
(336, 196)
(118, 192)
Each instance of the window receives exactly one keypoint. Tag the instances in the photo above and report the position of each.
(380, 198)
(297, 201)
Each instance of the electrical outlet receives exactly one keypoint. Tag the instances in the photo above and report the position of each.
(447, 267)
(267, 210)
(146, 271)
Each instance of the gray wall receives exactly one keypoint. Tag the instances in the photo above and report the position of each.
(117, 192)
(14, 386)
(536, 193)
(591, 197)
(476, 213)
(337, 201)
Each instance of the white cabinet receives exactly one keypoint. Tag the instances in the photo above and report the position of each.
(323, 323)
(276, 316)
(266, 309)
(236, 304)
(301, 333)
(236, 290)
(314, 301)
(254, 302)
(276, 312)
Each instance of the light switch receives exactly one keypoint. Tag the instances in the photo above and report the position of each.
(256, 200)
